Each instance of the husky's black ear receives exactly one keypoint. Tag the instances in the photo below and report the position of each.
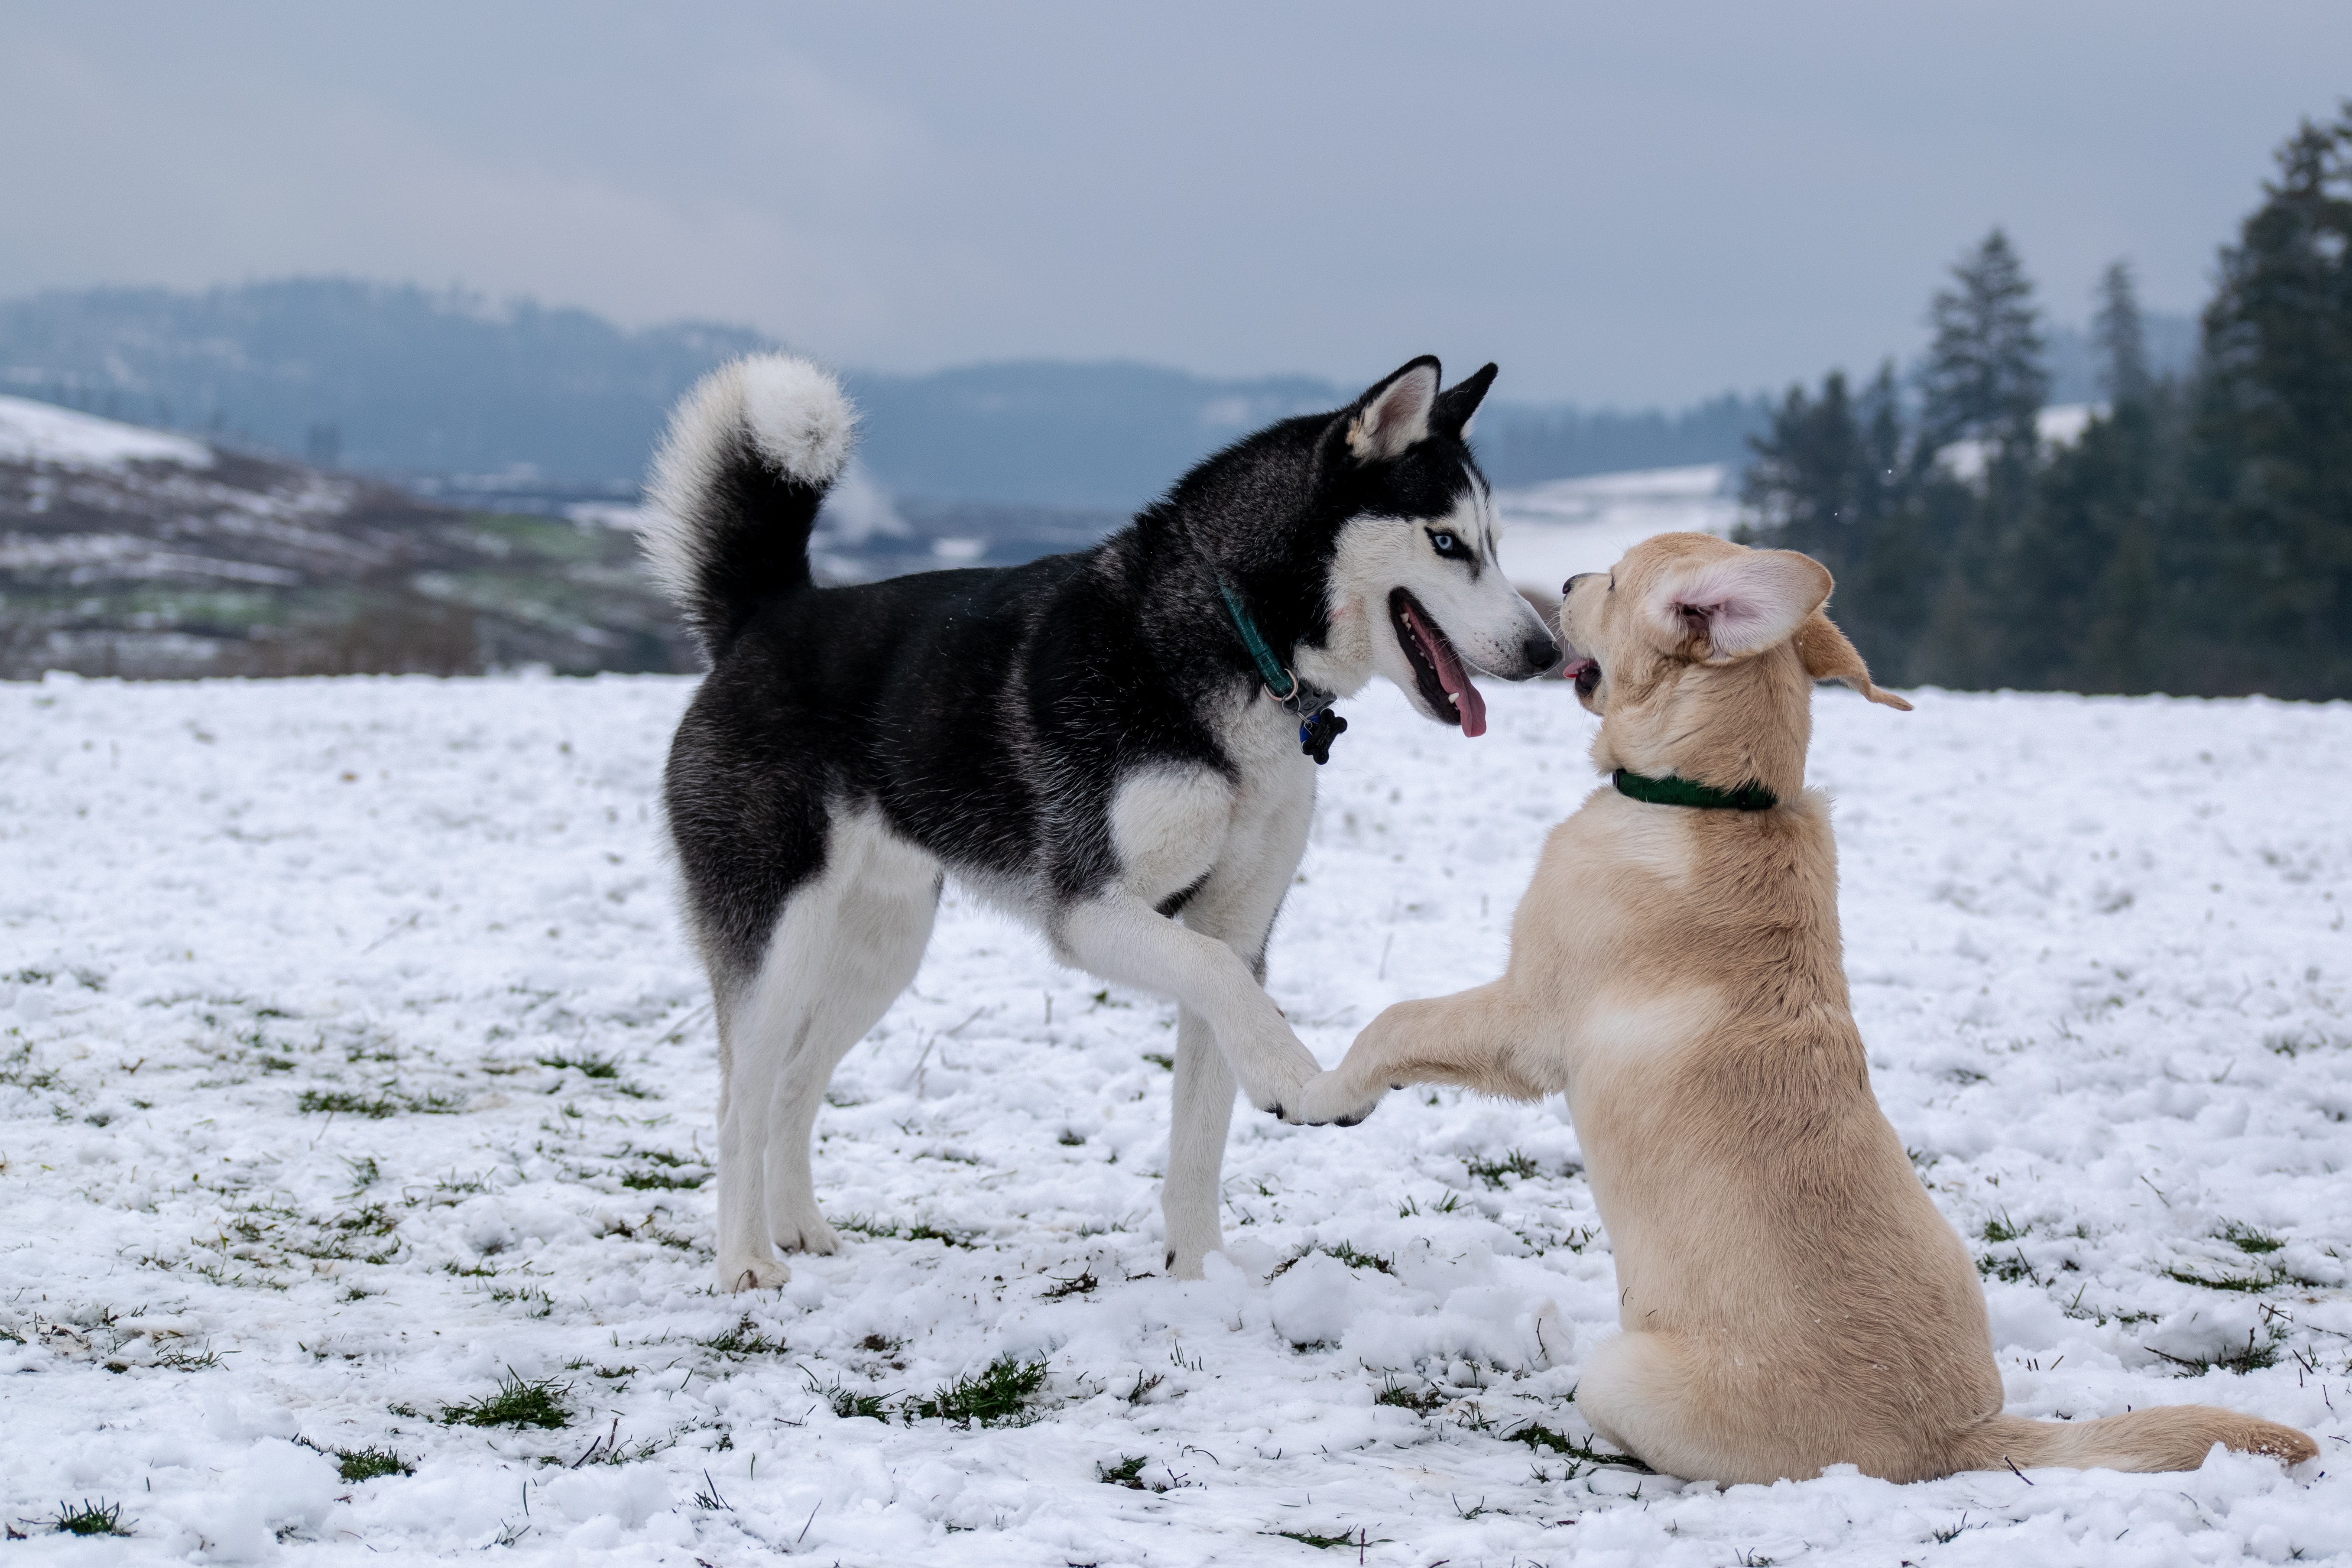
(1394, 413)
(1458, 403)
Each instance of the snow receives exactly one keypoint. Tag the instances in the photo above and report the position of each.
(2059, 424)
(33, 432)
(2097, 948)
(1552, 530)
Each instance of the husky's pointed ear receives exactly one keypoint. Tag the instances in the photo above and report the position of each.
(1394, 413)
(1458, 403)
(1829, 656)
(1725, 609)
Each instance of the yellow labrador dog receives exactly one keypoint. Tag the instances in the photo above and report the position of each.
(1790, 1299)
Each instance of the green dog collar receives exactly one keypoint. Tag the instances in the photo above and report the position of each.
(1683, 791)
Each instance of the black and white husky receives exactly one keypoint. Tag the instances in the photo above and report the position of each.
(1090, 742)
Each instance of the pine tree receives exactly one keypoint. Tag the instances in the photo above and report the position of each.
(2122, 344)
(1803, 481)
(2275, 430)
(1984, 381)
(1984, 377)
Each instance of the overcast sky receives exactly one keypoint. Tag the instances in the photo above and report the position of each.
(1623, 205)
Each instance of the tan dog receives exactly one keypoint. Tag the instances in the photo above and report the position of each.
(1790, 1299)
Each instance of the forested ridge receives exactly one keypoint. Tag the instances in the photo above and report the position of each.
(2195, 537)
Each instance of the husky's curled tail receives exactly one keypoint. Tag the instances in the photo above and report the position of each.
(748, 460)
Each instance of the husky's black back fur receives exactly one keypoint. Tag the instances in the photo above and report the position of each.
(987, 714)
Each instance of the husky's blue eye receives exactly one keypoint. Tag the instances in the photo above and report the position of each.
(1449, 544)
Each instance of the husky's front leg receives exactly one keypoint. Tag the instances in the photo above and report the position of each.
(1121, 938)
(1482, 1038)
(1201, 1112)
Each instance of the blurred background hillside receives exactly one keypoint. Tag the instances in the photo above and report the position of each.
(2125, 472)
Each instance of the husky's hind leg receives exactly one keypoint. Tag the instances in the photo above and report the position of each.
(843, 948)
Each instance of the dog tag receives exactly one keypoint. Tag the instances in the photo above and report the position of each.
(1317, 731)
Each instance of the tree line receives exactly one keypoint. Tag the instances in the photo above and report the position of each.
(2194, 535)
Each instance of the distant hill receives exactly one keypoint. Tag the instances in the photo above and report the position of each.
(526, 402)
(124, 551)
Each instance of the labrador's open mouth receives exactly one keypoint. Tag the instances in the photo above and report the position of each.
(1437, 669)
(1585, 673)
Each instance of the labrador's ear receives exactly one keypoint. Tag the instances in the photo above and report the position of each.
(1828, 655)
(1394, 414)
(1725, 609)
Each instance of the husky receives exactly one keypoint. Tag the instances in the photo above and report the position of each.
(1117, 746)
(1789, 1296)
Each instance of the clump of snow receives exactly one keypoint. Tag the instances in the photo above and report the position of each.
(351, 1067)
(33, 432)
(1554, 529)
(2059, 424)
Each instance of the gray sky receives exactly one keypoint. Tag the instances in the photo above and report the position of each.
(1623, 205)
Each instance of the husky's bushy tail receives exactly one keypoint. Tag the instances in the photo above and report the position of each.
(2160, 1437)
(749, 458)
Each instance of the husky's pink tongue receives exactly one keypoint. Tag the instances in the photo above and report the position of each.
(1453, 676)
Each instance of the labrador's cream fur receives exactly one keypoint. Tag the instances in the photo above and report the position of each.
(1789, 1296)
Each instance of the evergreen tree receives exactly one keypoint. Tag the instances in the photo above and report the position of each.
(1803, 483)
(1984, 377)
(1983, 381)
(2123, 345)
(2275, 431)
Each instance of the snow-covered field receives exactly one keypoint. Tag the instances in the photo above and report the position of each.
(351, 1062)
(1566, 526)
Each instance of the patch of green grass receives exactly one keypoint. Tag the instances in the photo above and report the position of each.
(1536, 1435)
(2244, 1283)
(663, 1181)
(2253, 1358)
(745, 1338)
(370, 1219)
(99, 1518)
(844, 1402)
(1345, 1252)
(2246, 1239)
(344, 1102)
(1128, 1472)
(187, 1360)
(1358, 1539)
(2004, 1228)
(376, 1107)
(366, 1464)
(1071, 1138)
(2012, 1268)
(1420, 1402)
(928, 1232)
(1162, 1060)
(1514, 1164)
(586, 1064)
(1355, 1259)
(518, 1402)
(998, 1394)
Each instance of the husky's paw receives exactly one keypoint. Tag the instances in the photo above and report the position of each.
(752, 1274)
(1330, 1099)
(808, 1234)
(1276, 1084)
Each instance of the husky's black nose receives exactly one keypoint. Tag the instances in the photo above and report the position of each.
(1543, 655)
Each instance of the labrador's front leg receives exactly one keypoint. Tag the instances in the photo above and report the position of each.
(1482, 1038)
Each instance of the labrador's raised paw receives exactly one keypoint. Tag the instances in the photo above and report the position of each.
(1329, 1098)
